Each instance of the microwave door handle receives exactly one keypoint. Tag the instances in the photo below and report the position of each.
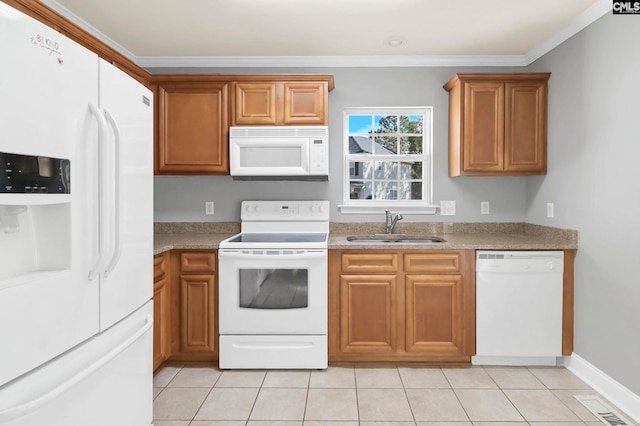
(102, 133)
(306, 153)
(115, 258)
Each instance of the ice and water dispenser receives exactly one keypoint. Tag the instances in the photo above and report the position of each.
(35, 215)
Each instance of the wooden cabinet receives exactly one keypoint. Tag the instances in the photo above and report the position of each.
(280, 103)
(401, 306)
(497, 124)
(194, 306)
(194, 111)
(192, 127)
(368, 313)
(161, 313)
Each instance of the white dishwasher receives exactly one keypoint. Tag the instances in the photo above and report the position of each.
(518, 307)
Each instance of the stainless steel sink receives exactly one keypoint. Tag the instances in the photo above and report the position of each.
(395, 238)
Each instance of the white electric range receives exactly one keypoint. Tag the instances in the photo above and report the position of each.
(273, 287)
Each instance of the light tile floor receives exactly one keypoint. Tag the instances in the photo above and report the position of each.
(385, 396)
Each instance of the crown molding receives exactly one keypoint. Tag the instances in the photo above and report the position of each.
(330, 61)
(57, 7)
(574, 26)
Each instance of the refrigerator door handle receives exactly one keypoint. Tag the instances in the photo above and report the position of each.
(102, 131)
(117, 223)
(27, 407)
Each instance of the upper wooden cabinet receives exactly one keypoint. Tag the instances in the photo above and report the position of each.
(194, 112)
(497, 124)
(192, 128)
(280, 103)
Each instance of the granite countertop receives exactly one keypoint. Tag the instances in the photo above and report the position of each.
(458, 236)
(187, 241)
(191, 235)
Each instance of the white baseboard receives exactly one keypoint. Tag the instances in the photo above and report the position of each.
(615, 392)
(514, 360)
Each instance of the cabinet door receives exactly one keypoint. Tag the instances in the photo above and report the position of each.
(198, 313)
(435, 314)
(526, 127)
(368, 313)
(255, 103)
(305, 103)
(193, 128)
(161, 343)
(161, 315)
(483, 126)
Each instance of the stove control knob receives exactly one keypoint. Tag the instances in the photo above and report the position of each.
(320, 208)
(257, 209)
(313, 209)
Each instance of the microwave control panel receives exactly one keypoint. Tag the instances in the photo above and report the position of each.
(319, 156)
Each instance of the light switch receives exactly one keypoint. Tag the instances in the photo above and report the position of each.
(549, 209)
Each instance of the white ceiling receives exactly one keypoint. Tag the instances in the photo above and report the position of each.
(246, 32)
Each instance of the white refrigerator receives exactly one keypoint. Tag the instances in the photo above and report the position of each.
(76, 284)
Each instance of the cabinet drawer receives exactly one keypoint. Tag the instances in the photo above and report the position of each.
(431, 262)
(159, 267)
(197, 262)
(369, 263)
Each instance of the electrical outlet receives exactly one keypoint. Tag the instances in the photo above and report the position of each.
(549, 209)
(485, 207)
(208, 207)
(447, 208)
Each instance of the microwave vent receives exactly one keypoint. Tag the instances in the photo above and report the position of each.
(279, 132)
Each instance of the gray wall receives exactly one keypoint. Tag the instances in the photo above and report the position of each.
(594, 182)
(180, 199)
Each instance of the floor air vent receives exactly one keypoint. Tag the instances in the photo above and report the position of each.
(601, 410)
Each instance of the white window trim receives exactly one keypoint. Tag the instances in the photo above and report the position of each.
(424, 206)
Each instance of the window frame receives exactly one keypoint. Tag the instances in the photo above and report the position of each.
(357, 206)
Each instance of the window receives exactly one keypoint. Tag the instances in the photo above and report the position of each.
(387, 156)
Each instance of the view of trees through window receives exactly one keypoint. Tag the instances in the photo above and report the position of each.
(386, 154)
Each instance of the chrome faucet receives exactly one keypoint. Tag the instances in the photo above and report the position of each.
(391, 219)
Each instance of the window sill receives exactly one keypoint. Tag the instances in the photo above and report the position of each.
(378, 209)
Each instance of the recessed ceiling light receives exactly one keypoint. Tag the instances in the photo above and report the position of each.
(395, 41)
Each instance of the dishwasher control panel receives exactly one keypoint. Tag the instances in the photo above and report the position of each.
(519, 261)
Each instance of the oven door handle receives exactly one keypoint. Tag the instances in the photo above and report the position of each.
(272, 254)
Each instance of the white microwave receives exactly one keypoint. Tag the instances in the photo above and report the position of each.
(279, 152)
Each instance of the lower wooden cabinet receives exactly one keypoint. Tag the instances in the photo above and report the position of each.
(194, 311)
(161, 315)
(434, 314)
(197, 313)
(368, 313)
(413, 306)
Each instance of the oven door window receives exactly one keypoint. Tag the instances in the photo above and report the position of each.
(274, 288)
